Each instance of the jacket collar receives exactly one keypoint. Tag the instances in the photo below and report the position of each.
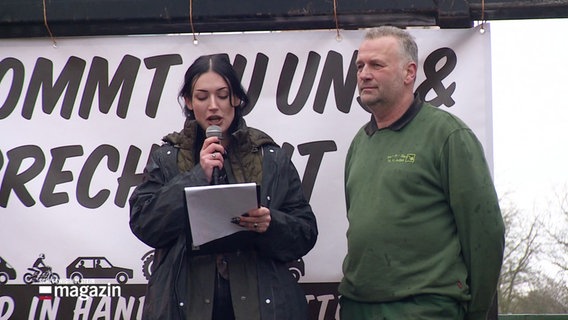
(245, 139)
(371, 127)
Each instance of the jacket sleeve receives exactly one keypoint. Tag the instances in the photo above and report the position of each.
(293, 229)
(157, 206)
(480, 226)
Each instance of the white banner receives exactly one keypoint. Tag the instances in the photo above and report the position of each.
(78, 122)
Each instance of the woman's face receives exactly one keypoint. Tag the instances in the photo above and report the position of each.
(211, 102)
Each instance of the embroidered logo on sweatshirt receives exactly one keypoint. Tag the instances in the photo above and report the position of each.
(402, 158)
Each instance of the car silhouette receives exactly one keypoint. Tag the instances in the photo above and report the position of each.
(96, 268)
(6, 272)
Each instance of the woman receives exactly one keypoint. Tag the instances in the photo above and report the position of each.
(242, 276)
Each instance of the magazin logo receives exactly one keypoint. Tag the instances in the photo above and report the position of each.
(80, 291)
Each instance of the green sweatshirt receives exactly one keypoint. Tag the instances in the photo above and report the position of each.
(423, 213)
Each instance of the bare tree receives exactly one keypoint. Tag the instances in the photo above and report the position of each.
(522, 248)
(550, 296)
(558, 233)
(528, 285)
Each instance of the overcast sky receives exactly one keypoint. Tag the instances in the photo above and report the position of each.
(530, 110)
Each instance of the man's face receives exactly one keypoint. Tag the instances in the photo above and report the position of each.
(380, 72)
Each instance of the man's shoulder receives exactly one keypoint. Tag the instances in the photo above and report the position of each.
(441, 117)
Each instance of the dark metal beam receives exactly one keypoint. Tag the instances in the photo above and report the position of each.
(25, 18)
(519, 9)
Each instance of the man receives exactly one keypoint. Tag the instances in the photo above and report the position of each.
(426, 235)
(39, 266)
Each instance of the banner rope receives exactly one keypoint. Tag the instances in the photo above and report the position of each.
(338, 36)
(47, 25)
(195, 41)
(482, 29)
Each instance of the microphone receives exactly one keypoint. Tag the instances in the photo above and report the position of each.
(214, 131)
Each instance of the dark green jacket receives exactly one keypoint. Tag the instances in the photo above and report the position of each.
(158, 218)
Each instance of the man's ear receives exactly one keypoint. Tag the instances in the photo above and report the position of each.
(411, 69)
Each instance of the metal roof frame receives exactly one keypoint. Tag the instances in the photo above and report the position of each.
(29, 18)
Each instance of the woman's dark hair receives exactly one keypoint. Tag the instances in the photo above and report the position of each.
(220, 64)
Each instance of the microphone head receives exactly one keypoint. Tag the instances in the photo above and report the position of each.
(214, 131)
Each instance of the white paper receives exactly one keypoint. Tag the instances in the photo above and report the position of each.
(211, 208)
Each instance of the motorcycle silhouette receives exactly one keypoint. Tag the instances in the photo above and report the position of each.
(148, 260)
(45, 275)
